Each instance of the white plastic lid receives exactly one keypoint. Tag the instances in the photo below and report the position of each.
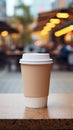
(35, 58)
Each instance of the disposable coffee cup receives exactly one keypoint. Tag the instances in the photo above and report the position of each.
(36, 71)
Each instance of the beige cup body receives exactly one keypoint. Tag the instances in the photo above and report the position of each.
(36, 79)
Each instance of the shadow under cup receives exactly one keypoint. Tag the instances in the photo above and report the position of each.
(36, 82)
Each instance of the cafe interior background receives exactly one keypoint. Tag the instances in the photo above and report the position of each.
(36, 26)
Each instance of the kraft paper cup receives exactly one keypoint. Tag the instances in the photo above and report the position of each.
(36, 71)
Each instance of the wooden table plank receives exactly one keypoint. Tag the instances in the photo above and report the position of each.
(60, 106)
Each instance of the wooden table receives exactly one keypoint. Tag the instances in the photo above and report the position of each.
(12, 106)
(60, 107)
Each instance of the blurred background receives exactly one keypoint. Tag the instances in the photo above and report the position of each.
(36, 26)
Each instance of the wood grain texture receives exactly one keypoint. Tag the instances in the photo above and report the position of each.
(60, 106)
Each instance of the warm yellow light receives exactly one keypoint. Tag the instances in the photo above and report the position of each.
(44, 32)
(62, 15)
(55, 21)
(46, 28)
(51, 25)
(4, 33)
(71, 26)
(63, 31)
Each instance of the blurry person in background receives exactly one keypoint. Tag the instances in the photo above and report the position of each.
(2, 56)
(70, 56)
(61, 53)
(49, 47)
(14, 53)
(12, 47)
(20, 46)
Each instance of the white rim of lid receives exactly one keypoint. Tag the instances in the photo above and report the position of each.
(35, 58)
(36, 62)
